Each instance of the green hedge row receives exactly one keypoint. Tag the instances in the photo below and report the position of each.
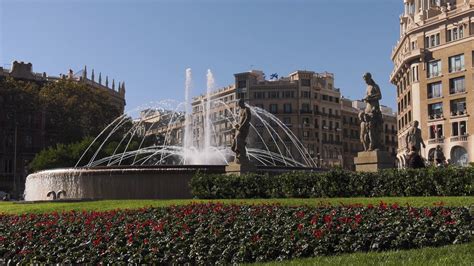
(337, 183)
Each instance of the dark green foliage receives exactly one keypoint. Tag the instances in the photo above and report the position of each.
(207, 234)
(337, 183)
(60, 156)
(76, 110)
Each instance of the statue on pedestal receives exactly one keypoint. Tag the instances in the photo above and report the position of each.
(242, 131)
(373, 121)
(414, 138)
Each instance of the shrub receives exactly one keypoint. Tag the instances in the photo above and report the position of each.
(225, 234)
(337, 183)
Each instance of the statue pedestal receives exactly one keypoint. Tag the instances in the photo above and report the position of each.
(372, 161)
(238, 169)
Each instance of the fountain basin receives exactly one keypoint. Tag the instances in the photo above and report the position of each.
(144, 182)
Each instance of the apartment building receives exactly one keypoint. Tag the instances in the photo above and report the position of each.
(433, 74)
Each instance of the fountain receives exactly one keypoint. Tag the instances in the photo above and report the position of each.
(154, 150)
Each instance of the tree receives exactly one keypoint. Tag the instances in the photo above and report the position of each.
(76, 110)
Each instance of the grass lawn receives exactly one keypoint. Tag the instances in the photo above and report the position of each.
(448, 255)
(15, 208)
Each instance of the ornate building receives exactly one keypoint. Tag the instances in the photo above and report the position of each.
(433, 73)
(23, 135)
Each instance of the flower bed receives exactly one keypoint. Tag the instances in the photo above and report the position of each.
(210, 233)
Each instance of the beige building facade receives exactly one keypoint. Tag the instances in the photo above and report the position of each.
(433, 73)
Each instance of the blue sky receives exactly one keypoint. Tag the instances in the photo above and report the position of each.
(149, 44)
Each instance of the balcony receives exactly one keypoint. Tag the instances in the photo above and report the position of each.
(436, 141)
(453, 91)
(435, 116)
(458, 113)
(462, 138)
(306, 112)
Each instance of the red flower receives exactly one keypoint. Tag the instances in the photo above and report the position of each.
(395, 206)
(145, 241)
(450, 222)
(256, 238)
(445, 212)
(300, 214)
(318, 233)
(300, 227)
(159, 227)
(97, 241)
(358, 218)
(370, 206)
(327, 219)
(345, 220)
(427, 212)
(314, 220)
(383, 205)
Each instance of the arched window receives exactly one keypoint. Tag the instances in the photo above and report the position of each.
(459, 156)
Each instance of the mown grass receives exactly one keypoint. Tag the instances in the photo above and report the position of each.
(447, 255)
(103, 205)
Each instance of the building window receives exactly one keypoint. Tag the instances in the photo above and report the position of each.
(305, 121)
(456, 63)
(455, 34)
(306, 82)
(289, 94)
(242, 84)
(458, 107)
(259, 95)
(273, 108)
(436, 131)
(287, 121)
(273, 94)
(435, 110)
(325, 97)
(457, 85)
(287, 108)
(435, 90)
(432, 40)
(28, 141)
(305, 94)
(305, 108)
(455, 128)
(434, 69)
(316, 108)
(305, 134)
(8, 166)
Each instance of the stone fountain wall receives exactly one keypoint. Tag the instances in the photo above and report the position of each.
(116, 183)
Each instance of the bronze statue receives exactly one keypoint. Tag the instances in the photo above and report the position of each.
(242, 131)
(372, 115)
(414, 138)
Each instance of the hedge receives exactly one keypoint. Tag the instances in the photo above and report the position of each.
(337, 183)
(207, 234)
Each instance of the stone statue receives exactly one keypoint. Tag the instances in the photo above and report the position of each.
(242, 131)
(439, 158)
(372, 114)
(413, 138)
(364, 130)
